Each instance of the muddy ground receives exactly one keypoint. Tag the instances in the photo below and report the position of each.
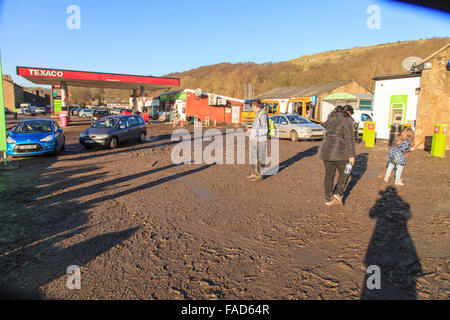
(141, 227)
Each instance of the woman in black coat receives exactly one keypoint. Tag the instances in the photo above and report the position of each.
(338, 149)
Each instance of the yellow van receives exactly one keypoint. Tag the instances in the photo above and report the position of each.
(272, 107)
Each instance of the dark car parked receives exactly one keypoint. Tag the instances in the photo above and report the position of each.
(109, 131)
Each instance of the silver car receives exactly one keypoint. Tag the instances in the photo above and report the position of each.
(86, 113)
(296, 127)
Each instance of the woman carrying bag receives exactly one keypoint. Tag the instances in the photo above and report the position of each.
(337, 151)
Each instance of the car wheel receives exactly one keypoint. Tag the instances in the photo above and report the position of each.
(57, 150)
(113, 143)
(142, 137)
(294, 136)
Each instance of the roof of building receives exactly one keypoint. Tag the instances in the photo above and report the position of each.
(348, 95)
(302, 91)
(176, 92)
(398, 76)
(207, 93)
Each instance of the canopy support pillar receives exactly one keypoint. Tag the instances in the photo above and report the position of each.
(134, 100)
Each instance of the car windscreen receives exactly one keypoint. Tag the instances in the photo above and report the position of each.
(247, 107)
(297, 119)
(33, 126)
(105, 123)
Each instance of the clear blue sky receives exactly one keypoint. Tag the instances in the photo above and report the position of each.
(159, 37)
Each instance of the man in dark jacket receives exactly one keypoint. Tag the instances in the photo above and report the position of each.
(338, 149)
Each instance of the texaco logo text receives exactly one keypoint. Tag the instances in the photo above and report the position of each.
(46, 73)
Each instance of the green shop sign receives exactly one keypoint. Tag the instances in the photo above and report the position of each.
(339, 96)
(174, 96)
(57, 105)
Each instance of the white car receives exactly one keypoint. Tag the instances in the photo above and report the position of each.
(360, 116)
(26, 111)
(296, 127)
(25, 105)
(41, 110)
(86, 113)
(115, 111)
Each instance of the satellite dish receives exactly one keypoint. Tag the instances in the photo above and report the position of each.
(198, 92)
(410, 62)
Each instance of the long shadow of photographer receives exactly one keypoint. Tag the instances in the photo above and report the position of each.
(392, 250)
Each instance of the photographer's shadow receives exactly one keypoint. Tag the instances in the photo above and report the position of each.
(392, 250)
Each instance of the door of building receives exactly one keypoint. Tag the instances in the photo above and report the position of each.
(235, 111)
(181, 109)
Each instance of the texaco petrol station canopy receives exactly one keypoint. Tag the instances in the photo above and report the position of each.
(54, 77)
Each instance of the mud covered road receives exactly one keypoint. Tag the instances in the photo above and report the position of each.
(141, 227)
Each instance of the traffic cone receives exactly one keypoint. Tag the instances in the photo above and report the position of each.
(182, 123)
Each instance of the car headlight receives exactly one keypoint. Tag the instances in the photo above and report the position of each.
(83, 134)
(47, 139)
(10, 140)
(102, 136)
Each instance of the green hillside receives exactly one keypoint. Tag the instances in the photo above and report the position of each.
(360, 64)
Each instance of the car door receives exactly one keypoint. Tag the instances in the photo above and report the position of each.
(283, 127)
(142, 126)
(124, 129)
(134, 127)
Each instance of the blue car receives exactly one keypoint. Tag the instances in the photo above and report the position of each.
(35, 137)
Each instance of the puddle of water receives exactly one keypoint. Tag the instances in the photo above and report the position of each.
(201, 191)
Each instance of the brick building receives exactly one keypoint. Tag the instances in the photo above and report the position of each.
(14, 95)
(420, 98)
(434, 99)
(204, 106)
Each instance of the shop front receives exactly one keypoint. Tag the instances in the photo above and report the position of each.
(359, 101)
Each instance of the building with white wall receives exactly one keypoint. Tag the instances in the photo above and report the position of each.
(396, 100)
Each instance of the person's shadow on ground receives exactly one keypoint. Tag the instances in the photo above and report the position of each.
(392, 250)
(288, 162)
(358, 170)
